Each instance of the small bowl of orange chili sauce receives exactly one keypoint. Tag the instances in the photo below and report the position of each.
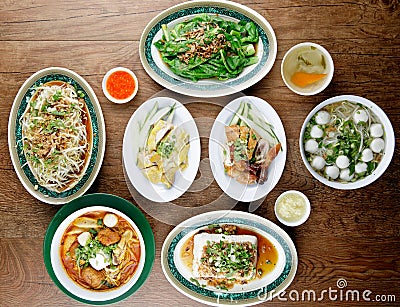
(120, 85)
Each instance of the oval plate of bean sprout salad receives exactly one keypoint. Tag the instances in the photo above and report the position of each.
(56, 135)
(347, 142)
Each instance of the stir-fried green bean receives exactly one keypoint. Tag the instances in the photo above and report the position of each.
(208, 46)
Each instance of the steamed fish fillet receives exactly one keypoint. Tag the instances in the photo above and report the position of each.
(204, 267)
(178, 158)
(160, 130)
(166, 152)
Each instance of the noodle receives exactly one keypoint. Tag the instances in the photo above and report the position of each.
(55, 136)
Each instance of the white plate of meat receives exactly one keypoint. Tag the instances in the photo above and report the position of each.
(247, 148)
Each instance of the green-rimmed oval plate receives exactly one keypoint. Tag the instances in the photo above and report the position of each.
(97, 139)
(160, 72)
(119, 204)
(255, 291)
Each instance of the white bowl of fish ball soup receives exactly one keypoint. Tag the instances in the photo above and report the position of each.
(97, 253)
(347, 142)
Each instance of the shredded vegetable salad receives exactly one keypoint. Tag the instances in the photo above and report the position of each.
(344, 141)
(54, 135)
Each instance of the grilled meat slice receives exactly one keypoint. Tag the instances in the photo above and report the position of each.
(261, 151)
(252, 143)
(92, 277)
(271, 155)
(241, 172)
(244, 132)
(232, 133)
(107, 237)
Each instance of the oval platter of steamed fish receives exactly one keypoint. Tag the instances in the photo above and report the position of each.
(56, 135)
(161, 149)
(229, 258)
(99, 254)
(208, 48)
(247, 148)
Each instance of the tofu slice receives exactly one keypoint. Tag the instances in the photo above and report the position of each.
(208, 269)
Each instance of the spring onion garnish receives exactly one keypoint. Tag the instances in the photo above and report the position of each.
(230, 258)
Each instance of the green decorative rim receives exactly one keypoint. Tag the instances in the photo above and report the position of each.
(15, 144)
(117, 203)
(209, 10)
(18, 135)
(229, 297)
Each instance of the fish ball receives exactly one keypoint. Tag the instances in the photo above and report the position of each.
(311, 146)
(110, 220)
(84, 238)
(377, 145)
(345, 174)
(367, 155)
(360, 116)
(361, 167)
(332, 171)
(322, 118)
(318, 162)
(316, 132)
(342, 162)
(376, 130)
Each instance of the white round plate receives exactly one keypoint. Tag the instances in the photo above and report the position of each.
(388, 136)
(252, 293)
(159, 71)
(183, 179)
(15, 143)
(234, 189)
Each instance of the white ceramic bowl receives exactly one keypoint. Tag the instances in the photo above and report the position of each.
(107, 94)
(305, 215)
(387, 154)
(68, 283)
(316, 87)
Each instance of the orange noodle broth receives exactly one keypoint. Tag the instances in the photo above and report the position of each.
(100, 250)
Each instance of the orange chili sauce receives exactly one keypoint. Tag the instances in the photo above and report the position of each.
(120, 84)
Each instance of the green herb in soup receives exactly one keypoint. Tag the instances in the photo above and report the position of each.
(344, 141)
(208, 46)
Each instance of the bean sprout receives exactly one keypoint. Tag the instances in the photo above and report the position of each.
(54, 134)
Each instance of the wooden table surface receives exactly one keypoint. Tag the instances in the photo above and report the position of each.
(353, 235)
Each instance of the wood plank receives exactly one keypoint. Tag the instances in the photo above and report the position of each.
(125, 20)
(19, 260)
(350, 234)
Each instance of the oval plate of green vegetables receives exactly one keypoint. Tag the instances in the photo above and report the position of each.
(208, 48)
